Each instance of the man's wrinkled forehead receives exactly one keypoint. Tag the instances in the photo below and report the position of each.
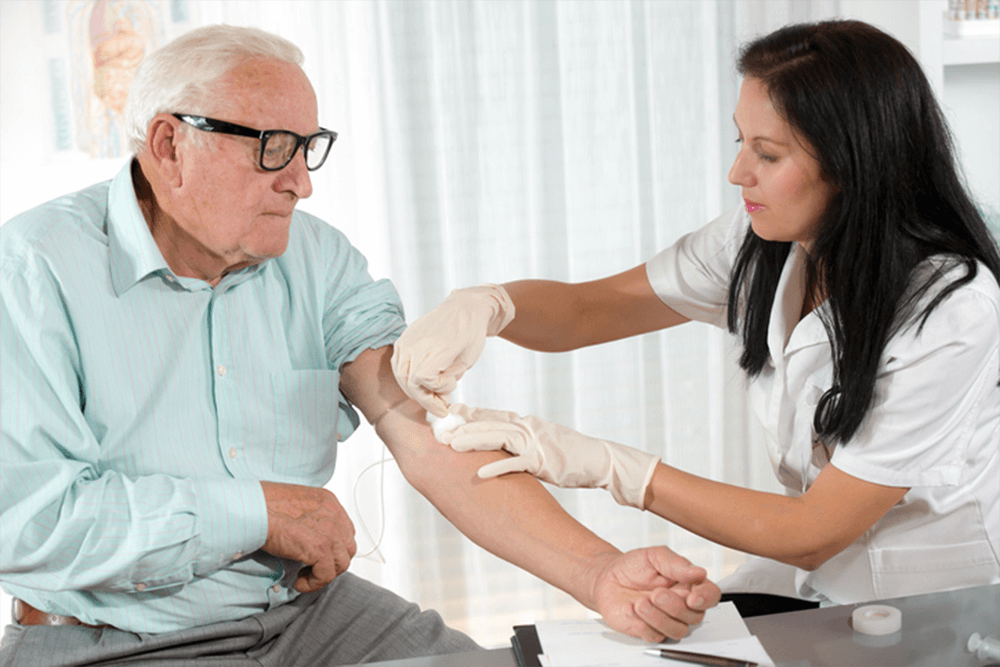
(262, 93)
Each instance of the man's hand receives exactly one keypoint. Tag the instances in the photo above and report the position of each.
(308, 525)
(653, 593)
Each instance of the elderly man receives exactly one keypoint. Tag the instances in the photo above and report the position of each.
(181, 351)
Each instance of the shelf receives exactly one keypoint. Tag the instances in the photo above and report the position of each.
(970, 50)
(972, 28)
(970, 42)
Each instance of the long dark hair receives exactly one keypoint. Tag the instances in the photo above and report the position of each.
(861, 101)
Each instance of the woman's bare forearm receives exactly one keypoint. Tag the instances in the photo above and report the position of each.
(554, 316)
(803, 531)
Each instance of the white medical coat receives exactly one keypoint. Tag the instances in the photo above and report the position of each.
(934, 427)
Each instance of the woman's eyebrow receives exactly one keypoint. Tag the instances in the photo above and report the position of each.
(760, 137)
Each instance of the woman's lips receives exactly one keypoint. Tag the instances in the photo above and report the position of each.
(752, 206)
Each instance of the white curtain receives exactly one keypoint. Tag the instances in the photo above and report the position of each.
(486, 141)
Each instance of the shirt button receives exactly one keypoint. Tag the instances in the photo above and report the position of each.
(238, 555)
(140, 587)
(232, 452)
(221, 370)
(276, 588)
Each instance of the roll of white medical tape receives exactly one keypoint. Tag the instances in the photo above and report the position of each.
(877, 619)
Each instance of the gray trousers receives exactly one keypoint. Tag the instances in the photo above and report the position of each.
(350, 621)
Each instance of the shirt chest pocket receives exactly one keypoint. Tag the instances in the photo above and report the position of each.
(310, 416)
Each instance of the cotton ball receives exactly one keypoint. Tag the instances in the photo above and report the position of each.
(442, 425)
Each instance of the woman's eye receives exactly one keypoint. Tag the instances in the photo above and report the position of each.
(764, 157)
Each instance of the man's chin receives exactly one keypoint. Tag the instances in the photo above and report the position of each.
(263, 252)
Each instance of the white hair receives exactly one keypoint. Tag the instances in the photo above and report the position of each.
(178, 77)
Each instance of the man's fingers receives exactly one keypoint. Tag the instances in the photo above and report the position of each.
(666, 618)
(704, 595)
(313, 578)
(700, 593)
(316, 576)
(352, 548)
(306, 582)
(674, 603)
(675, 567)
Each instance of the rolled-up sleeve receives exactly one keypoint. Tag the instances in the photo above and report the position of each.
(358, 313)
(692, 275)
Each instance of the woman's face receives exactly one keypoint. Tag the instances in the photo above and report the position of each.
(783, 188)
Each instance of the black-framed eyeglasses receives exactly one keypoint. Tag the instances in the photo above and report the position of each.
(277, 147)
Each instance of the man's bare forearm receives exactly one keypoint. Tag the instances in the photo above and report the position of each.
(512, 516)
(648, 593)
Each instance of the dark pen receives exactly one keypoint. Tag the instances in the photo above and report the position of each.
(698, 658)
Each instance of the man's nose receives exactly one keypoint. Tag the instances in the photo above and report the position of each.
(295, 177)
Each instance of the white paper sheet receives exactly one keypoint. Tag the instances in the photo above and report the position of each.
(594, 644)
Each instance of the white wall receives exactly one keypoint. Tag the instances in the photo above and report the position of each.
(972, 105)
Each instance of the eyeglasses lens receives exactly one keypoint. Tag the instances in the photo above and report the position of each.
(316, 151)
(279, 149)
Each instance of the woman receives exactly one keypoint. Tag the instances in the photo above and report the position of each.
(864, 287)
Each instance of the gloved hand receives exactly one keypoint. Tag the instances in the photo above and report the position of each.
(553, 453)
(437, 349)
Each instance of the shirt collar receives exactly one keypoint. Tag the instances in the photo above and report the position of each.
(786, 333)
(132, 252)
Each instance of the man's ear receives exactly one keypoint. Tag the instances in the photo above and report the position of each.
(162, 137)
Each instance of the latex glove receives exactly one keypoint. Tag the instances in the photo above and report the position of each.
(436, 350)
(553, 453)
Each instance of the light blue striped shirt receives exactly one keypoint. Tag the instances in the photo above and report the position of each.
(140, 409)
